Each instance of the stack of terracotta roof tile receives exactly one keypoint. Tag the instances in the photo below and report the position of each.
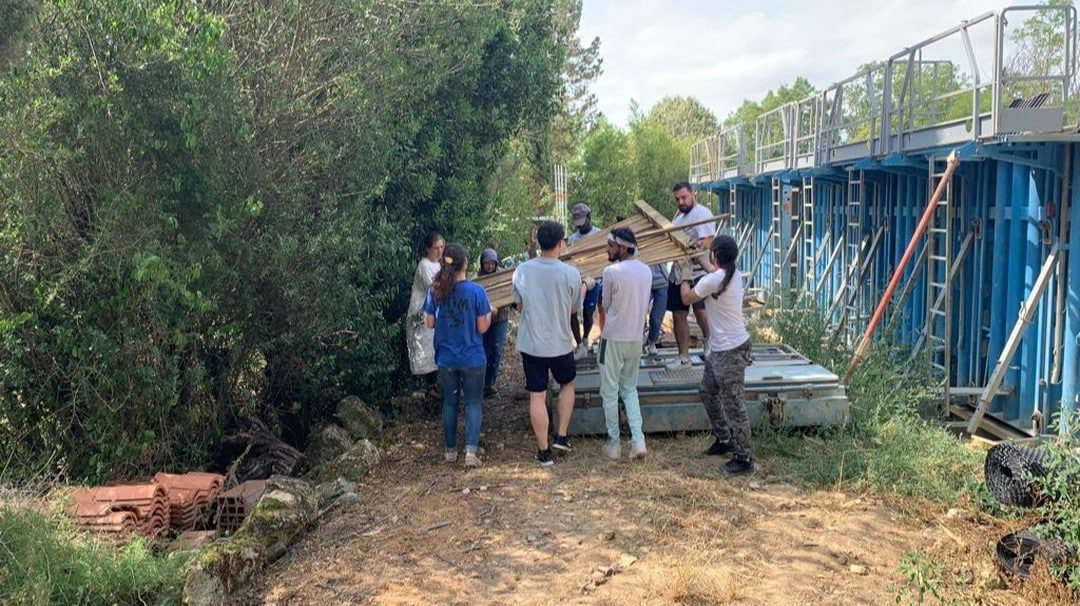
(142, 508)
(191, 496)
(235, 504)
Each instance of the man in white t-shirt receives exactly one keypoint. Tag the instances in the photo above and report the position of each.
(623, 306)
(690, 213)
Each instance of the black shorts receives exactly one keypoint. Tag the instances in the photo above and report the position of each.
(674, 298)
(562, 368)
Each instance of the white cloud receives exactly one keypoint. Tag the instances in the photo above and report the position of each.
(723, 52)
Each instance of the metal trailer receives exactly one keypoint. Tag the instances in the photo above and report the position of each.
(831, 189)
(783, 388)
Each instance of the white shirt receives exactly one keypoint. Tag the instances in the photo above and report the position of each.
(697, 232)
(625, 299)
(727, 329)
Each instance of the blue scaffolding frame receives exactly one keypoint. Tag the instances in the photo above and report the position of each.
(826, 192)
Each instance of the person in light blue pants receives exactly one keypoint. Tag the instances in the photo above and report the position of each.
(624, 304)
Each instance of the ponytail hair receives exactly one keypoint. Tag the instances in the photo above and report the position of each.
(726, 250)
(455, 258)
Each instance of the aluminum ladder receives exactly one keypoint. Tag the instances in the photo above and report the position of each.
(938, 241)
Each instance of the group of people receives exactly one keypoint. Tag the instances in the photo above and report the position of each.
(466, 335)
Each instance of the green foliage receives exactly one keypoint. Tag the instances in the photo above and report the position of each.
(603, 174)
(684, 118)
(1059, 503)
(886, 446)
(923, 579)
(798, 90)
(47, 562)
(210, 210)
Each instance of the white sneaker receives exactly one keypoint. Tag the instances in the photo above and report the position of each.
(471, 460)
(612, 450)
(451, 456)
(637, 451)
(650, 350)
(680, 363)
(581, 351)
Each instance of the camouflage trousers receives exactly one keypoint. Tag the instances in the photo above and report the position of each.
(723, 392)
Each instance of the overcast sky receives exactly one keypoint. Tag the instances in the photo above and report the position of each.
(723, 51)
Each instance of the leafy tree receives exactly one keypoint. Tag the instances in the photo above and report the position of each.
(603, 174)
(211, 209)
(684, 118)
(749, 110)
(658, 161)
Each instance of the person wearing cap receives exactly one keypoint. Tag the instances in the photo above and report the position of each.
(623, 306)
(582, 219)
(495, 337)
(702, 231)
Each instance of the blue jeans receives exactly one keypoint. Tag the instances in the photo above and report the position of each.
(656, 315)
(456, 383)
(494, 341)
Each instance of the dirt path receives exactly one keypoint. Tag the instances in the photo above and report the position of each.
(429, 532)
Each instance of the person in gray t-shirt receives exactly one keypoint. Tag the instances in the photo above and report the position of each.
(546, 291)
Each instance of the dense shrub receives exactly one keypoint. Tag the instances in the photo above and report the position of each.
(47, 562)
(210, 210)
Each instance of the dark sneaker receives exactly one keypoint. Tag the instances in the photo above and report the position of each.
(561, 443)
(738, 466)
(545, 458)
(718, 448)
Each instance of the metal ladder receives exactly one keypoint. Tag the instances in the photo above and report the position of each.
(809, 258)
(777, 243)
(853, 237)
(939, 253)
(733, 206)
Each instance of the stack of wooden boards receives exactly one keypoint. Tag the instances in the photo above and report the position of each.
(659, 241)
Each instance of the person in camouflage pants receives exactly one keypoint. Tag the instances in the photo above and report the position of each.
(724, 385)
(723, 392)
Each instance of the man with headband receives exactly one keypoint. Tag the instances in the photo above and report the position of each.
(624, 302)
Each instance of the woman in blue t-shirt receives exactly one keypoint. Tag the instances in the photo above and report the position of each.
(459, 311)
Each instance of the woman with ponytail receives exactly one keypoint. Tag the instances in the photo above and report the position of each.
(724, 385)
(459, 312)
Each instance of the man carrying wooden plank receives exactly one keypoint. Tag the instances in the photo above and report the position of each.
(546, 291)
(690, 212)
(623, 306)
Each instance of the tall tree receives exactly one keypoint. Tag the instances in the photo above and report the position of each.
(684, 118)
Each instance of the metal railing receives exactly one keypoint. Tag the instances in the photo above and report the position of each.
(705, 160)
(919, 99)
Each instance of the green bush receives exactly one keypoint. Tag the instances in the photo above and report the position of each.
(47, 562)
(211, 210)
(889, 444)
(1059, 503)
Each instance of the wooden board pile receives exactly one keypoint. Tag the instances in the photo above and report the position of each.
(659, 241)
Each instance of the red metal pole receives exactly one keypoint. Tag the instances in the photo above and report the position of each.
(883, 304)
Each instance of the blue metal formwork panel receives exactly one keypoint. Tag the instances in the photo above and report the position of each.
(782, 387)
